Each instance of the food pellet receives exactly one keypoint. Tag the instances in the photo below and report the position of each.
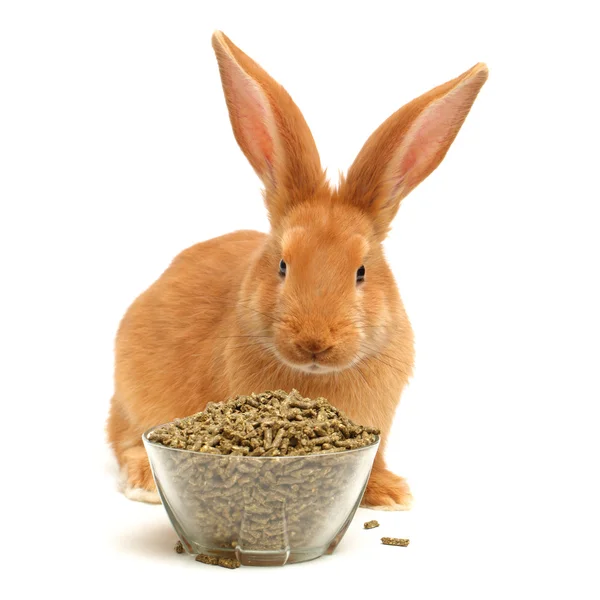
(207, 560)
(179, 547)
(228, 563)
(371, 524)
(394, 541)
(232, 499)
(267, 424)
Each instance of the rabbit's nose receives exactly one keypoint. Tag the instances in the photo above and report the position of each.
(313, 346)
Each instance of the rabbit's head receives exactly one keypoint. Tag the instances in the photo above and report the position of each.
(320, 294)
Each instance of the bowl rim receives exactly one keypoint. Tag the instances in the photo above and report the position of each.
(146, 441)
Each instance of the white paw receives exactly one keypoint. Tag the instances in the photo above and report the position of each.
(390, 507)
(136, 493)
(406, 505)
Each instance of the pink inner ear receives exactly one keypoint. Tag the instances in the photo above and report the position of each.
(429, 135)
(253, 114)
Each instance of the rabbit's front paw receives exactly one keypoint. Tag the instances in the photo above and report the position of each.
(137, 482)
(386, 491)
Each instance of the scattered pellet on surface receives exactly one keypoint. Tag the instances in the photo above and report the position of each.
(207, 560)
(228, 563)
(179, 547)
(371, 524)
(394, 541)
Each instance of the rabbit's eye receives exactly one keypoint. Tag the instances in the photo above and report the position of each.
(282, 267)
(360, 274)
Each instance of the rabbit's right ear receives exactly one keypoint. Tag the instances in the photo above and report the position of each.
(408, 146)
(269, 128)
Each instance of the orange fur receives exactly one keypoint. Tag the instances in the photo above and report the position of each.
(222, 321)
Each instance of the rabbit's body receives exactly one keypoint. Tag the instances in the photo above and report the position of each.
(171, 342)
(186, 341)
(312, 305)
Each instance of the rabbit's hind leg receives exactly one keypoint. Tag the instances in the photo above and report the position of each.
(386, 490)
(136, 481)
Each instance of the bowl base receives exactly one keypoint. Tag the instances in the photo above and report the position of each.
(258, 558)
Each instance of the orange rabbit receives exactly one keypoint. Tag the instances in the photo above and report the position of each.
(312, 305)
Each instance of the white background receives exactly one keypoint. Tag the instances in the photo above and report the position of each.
(116, 153)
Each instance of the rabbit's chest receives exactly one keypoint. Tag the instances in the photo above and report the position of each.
(369, 399)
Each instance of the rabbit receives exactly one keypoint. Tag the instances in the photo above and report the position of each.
(311, 305)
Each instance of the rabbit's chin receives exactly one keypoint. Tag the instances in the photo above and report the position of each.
(314, 368)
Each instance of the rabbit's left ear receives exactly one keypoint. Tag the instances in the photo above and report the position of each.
(408, 146)
(269, 128)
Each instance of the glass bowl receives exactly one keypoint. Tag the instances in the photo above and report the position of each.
(261, 510)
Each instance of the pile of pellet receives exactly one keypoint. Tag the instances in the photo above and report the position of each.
(268, 424)
(223, 498)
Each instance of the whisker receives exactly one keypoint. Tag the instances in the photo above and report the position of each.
(238, 303)
(359, 371)
(378, 352)
(387, 364)
(273, 318)
(254, 344)
(229, 337)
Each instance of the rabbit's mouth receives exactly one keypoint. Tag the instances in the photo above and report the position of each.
(316, 368)
(313, 367)
(316, 352)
